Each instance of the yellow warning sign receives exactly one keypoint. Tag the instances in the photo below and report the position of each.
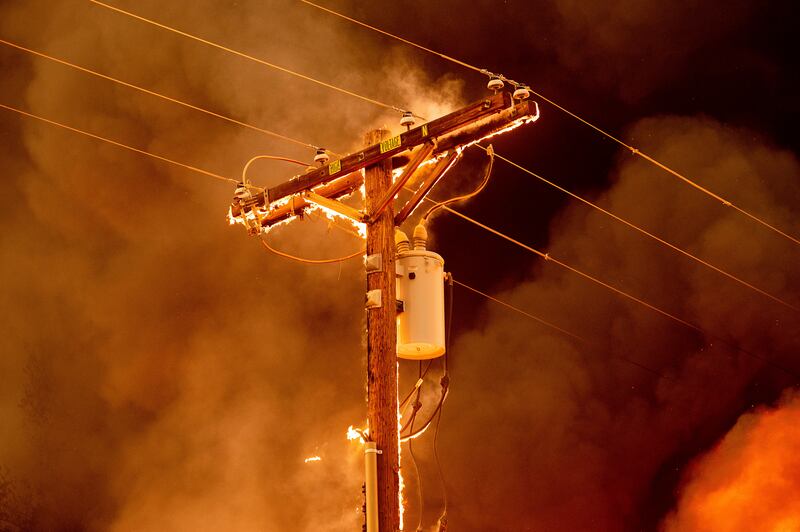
(390, 144)
(335, 167)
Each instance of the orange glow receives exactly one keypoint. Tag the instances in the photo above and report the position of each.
(750, 481)
(313, 459)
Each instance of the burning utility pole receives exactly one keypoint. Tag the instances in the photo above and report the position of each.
(438, 143)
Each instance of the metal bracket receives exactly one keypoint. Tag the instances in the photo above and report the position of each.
(373, 263)
(399, 305)
(374, 298)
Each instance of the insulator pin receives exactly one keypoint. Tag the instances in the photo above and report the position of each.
(495, 84)
(321, 156)
(522, 93)
(407, 119)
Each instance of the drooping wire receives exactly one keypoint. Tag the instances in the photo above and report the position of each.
(159, 95)
(118, 144)
(272, 158)
(632, 149)
(264, 243)
(490, 152)
(253, 58)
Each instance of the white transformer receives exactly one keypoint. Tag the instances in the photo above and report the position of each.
(420, 286)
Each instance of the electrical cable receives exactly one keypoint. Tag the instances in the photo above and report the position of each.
(490, 152)
(489, 229)
(564, 331)
(447, 343)
(414, 459)
(632, 149)
(272, 158)
(159, 95)
(416, 386)
(253, 58)
(621, 220)
(623, 293)
(118, 144)
(309, 261)
(520, 311)
(414, 434)
(649, 234)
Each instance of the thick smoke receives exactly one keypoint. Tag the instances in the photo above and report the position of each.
(161, 372)
(750, 478)
(554, 435)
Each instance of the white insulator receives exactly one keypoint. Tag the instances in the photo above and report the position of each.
(522, 93)
(420, 237)
(321, 156)
(241, 192)
(401, 241)
(495, 84)
(420, 286)
(407, 119)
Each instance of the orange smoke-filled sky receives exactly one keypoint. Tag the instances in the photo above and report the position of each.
(159, 370)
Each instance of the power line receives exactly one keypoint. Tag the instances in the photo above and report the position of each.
(158, 95)
(556, 327)
(475, 222)
(295, 141)
(253, 58)
(118, 144)
(223, 178)
(619, 219)
(649, 234)
(527, 315)
(310, 261)
(623, 293)
(522, 312)
(632, 149)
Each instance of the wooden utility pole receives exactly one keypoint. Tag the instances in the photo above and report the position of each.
(442, 138)
(382, 340)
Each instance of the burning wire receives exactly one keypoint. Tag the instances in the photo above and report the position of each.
(310, 261)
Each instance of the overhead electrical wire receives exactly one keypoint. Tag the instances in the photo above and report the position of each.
(518, 310)
(309, 261)
(253, 58)
(479, 224)
(271, 158)
(623, 293)
(575, 196)
(453, 200)
(119, 144)
(648, 233)
(632, 149)
(159, 95)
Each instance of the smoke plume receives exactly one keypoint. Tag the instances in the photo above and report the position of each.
(749, 479)
(159, 371)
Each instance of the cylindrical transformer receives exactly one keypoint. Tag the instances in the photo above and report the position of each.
(420, 286)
